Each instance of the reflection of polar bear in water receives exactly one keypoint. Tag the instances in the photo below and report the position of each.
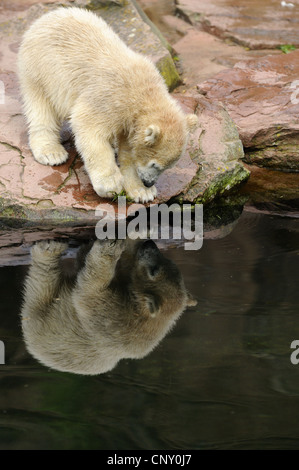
(123, 302)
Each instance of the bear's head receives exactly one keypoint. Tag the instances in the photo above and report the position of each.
(154, 293)
(159, 142)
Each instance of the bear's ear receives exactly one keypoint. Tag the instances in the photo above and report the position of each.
(192, 122)
(151, 134)
(191, 301)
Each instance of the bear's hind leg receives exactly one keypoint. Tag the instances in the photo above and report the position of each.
(44, 127)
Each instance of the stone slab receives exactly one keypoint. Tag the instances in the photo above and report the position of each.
(262, 97)
(33, 192)
(217, 149)
(255, 24)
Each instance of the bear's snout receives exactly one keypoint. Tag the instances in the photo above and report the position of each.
(148, 251)
(148, 184)
(149, 174)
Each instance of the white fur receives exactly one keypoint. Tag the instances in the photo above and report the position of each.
(73, 66)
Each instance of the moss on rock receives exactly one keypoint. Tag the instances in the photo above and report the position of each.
(168, 71)
(217, 149)
(224, 182)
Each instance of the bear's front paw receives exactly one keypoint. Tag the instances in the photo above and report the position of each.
(114, 247)
(48, 249)
(50, 154)
(108, 248)
(142, 194)
(109, 185)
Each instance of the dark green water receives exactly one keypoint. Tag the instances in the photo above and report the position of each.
(222, 379)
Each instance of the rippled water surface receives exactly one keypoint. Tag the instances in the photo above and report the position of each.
(222, 379)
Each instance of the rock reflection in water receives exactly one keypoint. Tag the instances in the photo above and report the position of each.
(124, 299)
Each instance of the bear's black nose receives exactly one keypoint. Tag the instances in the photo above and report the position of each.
(148, 249)
(148, 184)
(149, 245)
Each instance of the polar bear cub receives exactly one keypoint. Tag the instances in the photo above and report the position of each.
(73, 66)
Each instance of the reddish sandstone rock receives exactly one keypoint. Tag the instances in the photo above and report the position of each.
(255, 24)
(155, 10)
(203, 55)
(271, 186)
(262, 96)
(29, 190)
(217, 150)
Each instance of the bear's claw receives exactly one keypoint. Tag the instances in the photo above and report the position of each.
(108, 186)
(48, 248)
(142, 195)
(54, 154)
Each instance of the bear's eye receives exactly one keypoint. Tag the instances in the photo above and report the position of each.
(155, 166)
(153, 270)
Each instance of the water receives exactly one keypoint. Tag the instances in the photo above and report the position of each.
(222, 379)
